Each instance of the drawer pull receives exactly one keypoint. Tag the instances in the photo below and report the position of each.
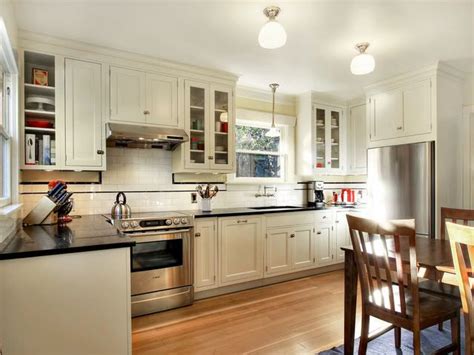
(242, 221)
(292, 235)
(197, 235)
(318, 233)
(324, 217)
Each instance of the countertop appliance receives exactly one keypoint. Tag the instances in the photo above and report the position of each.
(315, 193)
(161, 260)
(401, 184)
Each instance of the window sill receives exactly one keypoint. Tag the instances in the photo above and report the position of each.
(9, 209)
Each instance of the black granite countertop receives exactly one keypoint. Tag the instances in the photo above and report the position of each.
(229, 212)
(84, 233)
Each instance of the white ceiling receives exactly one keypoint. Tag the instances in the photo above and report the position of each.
(404, 35)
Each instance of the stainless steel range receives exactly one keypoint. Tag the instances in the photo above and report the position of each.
(162, 260)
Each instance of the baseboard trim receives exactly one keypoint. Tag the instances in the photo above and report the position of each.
(199, 295)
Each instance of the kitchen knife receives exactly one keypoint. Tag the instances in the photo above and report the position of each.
(64, 197)
(53, 193)
(59, 196)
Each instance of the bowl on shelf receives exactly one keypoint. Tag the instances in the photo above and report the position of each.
(220, 148)
(39, 123)
(40, 103)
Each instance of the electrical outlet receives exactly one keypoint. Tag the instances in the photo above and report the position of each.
(194, 197)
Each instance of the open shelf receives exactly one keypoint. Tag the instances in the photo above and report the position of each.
(220, 152)
(196, 130)
(222, 133)
(197, 107)
(39, 129)
(31, 89)
(196, 151)
(39, 113)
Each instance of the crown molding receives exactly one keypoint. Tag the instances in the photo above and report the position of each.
(27, 39)
(264, 95)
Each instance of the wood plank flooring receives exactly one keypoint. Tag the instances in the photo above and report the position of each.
(302, 316)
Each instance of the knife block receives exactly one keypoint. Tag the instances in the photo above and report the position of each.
(40, 212)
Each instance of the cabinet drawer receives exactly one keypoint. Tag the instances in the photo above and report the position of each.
(289, 219)
(324, 217)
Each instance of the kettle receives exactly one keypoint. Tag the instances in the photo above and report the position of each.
(120, 208)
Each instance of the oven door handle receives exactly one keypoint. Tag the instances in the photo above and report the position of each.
(158, 236)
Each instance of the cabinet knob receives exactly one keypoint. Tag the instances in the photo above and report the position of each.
(318, 233)
(292, 235)
(100, 152)
(146, 112)
(197, 235)
(399, 128)
(210, 157)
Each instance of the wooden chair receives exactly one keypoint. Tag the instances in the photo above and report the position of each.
(386, 260)
(461, 239)
(455, 215)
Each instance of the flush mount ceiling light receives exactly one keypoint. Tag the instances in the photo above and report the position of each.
(272, 35)
(273, 131)
(363, 63)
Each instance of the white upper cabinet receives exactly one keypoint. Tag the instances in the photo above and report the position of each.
(209, 122)
(386, 111)
(402, 111)
(320, 138)
(357, 140)
(161, 100)
(84, 138)
(127, 95)
(139, 97)
(417, 108)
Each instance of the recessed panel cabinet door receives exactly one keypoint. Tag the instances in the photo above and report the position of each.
(386, 115)
(205, 254)
(358, 124)
(417, 108)
(84, 100)
(324, 248)
(241, 249)
(127, 95)
(303, 247)
(278, 251)
(343, 237)
(161, 100)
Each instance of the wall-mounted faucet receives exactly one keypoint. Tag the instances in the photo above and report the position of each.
(267, 194)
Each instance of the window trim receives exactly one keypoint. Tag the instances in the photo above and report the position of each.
(9, 128)
(233, 179)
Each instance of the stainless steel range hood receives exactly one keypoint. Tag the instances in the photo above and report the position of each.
(136, 136)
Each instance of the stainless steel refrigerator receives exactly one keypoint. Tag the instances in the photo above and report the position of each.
(401, 184)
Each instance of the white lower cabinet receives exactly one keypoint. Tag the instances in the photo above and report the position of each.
(303, 247)
(343, 237)
(240, 249)
(205, 254)
(278, 251)
(324, 246)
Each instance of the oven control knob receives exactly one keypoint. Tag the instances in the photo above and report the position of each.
(168, 222)
(176, 221)
(184, 221)
(125, 225)
(134, 224)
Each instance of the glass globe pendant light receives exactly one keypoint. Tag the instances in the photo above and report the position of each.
(272, 35)
(273, 131)
(363, 63)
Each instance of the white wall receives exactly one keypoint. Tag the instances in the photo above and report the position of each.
(468, 97)
(7, 13)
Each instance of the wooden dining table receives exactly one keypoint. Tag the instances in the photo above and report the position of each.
(434, 255)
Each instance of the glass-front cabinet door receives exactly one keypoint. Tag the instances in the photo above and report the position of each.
(196, 123)
(328, 139)
(221, 127)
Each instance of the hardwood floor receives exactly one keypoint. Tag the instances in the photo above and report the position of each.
(296, 317)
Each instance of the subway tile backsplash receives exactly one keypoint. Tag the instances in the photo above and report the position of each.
(145, 175)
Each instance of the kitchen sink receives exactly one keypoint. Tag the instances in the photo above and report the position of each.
(272, 207)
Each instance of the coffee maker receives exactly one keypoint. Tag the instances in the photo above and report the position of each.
(315, 193)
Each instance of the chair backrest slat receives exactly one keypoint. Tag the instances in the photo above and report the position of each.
(461, 237)
(375, 245)
(454, 214)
